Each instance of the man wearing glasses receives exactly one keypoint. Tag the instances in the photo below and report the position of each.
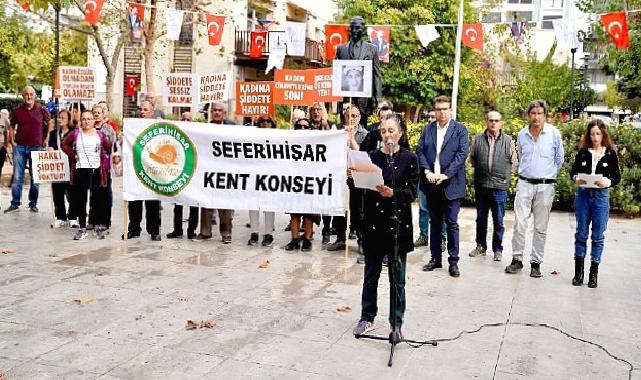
(493, 156)
(442, 150)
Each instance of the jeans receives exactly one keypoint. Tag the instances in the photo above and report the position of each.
(22, 155)
(591, 206)
(486, 200)
(424, 216)
(373, 267)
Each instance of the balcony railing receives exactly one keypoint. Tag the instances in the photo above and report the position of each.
(243, 46)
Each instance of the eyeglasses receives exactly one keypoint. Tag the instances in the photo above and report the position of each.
(303, 126)
(354, 116)
(493, 120)
(217, 110)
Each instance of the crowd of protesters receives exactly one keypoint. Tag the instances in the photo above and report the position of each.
(92, 143)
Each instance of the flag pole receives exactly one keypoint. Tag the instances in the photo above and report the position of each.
(457, 59)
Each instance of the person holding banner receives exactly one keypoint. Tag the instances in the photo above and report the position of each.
(29, 122)
(152, 207)
(392, 200)
(61, 189)
(270, 216)
(304, 244)
(88, 151)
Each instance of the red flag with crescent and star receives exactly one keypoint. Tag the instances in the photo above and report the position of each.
(24, 4)
(616, 26)
(473, 36)
(258, 41)
(92, 10)
(132, 82)
(335, 35)
(215, 26)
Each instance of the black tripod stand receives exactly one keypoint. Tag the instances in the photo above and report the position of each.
(393, 338)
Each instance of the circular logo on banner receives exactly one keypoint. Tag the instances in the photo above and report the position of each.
(164, 158)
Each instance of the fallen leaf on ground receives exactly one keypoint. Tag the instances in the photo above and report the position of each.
(191, 325)
(555, 272)
(344, 309)
(7, 250)
(208, 324)
(265, 264)
(84, 300)
(138, 317)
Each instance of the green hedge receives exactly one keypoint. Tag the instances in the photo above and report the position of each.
(9, 103)
(625, 197)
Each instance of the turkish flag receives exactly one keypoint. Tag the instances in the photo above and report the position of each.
(335, 35)
(258, 41)
(25, 5)
(473, 36)
(132, 82)
(215, 25)
(92, 10)
(616, 26)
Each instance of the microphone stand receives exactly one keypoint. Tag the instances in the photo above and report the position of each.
(392, 265)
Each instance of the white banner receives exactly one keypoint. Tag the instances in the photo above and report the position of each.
(214, 87)
(76, 83)
(296, 38)
(235, 167)
(50, 166)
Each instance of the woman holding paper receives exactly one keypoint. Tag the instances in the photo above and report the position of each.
(595, 170)
(61, 189)
(379, 237)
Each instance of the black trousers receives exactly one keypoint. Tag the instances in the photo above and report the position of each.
(60, 191)
(152, 217)
(110, 202)
(356, 199)
(178, 219)
(3, 157)
(88, 180)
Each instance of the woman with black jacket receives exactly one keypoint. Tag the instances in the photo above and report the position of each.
(596, 156)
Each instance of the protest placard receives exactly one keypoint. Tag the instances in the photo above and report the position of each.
(293, 87)
(180, 90)
(214, 87)
(321, 80)
(254, 98)
(50, 166)
(76, 83)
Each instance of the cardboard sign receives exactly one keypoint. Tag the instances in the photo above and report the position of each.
(321, 80)
(76, 83)
(214, 87)
(293, 87)
(50, 166)
(180, 90)
(254, 98)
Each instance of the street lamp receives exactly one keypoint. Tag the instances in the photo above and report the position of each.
(573, 51)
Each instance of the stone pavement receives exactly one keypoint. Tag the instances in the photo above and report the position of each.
(282, 321)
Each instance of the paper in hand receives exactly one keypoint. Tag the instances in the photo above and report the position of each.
(590, 179)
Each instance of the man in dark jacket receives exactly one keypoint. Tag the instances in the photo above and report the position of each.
(442, 149)
(493, 156)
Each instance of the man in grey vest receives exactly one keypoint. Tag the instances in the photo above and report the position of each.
(493, 156)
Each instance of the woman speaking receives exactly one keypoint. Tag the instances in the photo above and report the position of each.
(379, 225)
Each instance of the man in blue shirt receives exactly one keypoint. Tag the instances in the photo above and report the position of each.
(541, 157)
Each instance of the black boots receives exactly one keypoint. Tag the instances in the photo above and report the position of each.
(578, 271)
(594, 272)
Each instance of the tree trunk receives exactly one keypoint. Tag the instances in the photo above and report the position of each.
(151, 35)
(112, 65)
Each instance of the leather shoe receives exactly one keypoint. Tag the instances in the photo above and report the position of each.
(338, 245)
(130, 235)
(432, 265)
(454, 272)
(174, 235)
(156, 237)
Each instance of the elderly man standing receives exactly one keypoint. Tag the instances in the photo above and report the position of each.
(218, 115)
(29, 123)
(442, 150)
(541, 149)
(158, 113)
(493, 156)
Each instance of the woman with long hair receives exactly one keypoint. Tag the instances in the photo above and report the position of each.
(596, 156)
(88, 151)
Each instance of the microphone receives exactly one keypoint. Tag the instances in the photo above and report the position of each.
(390, 147)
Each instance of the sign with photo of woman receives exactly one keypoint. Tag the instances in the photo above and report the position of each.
(352, 78)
